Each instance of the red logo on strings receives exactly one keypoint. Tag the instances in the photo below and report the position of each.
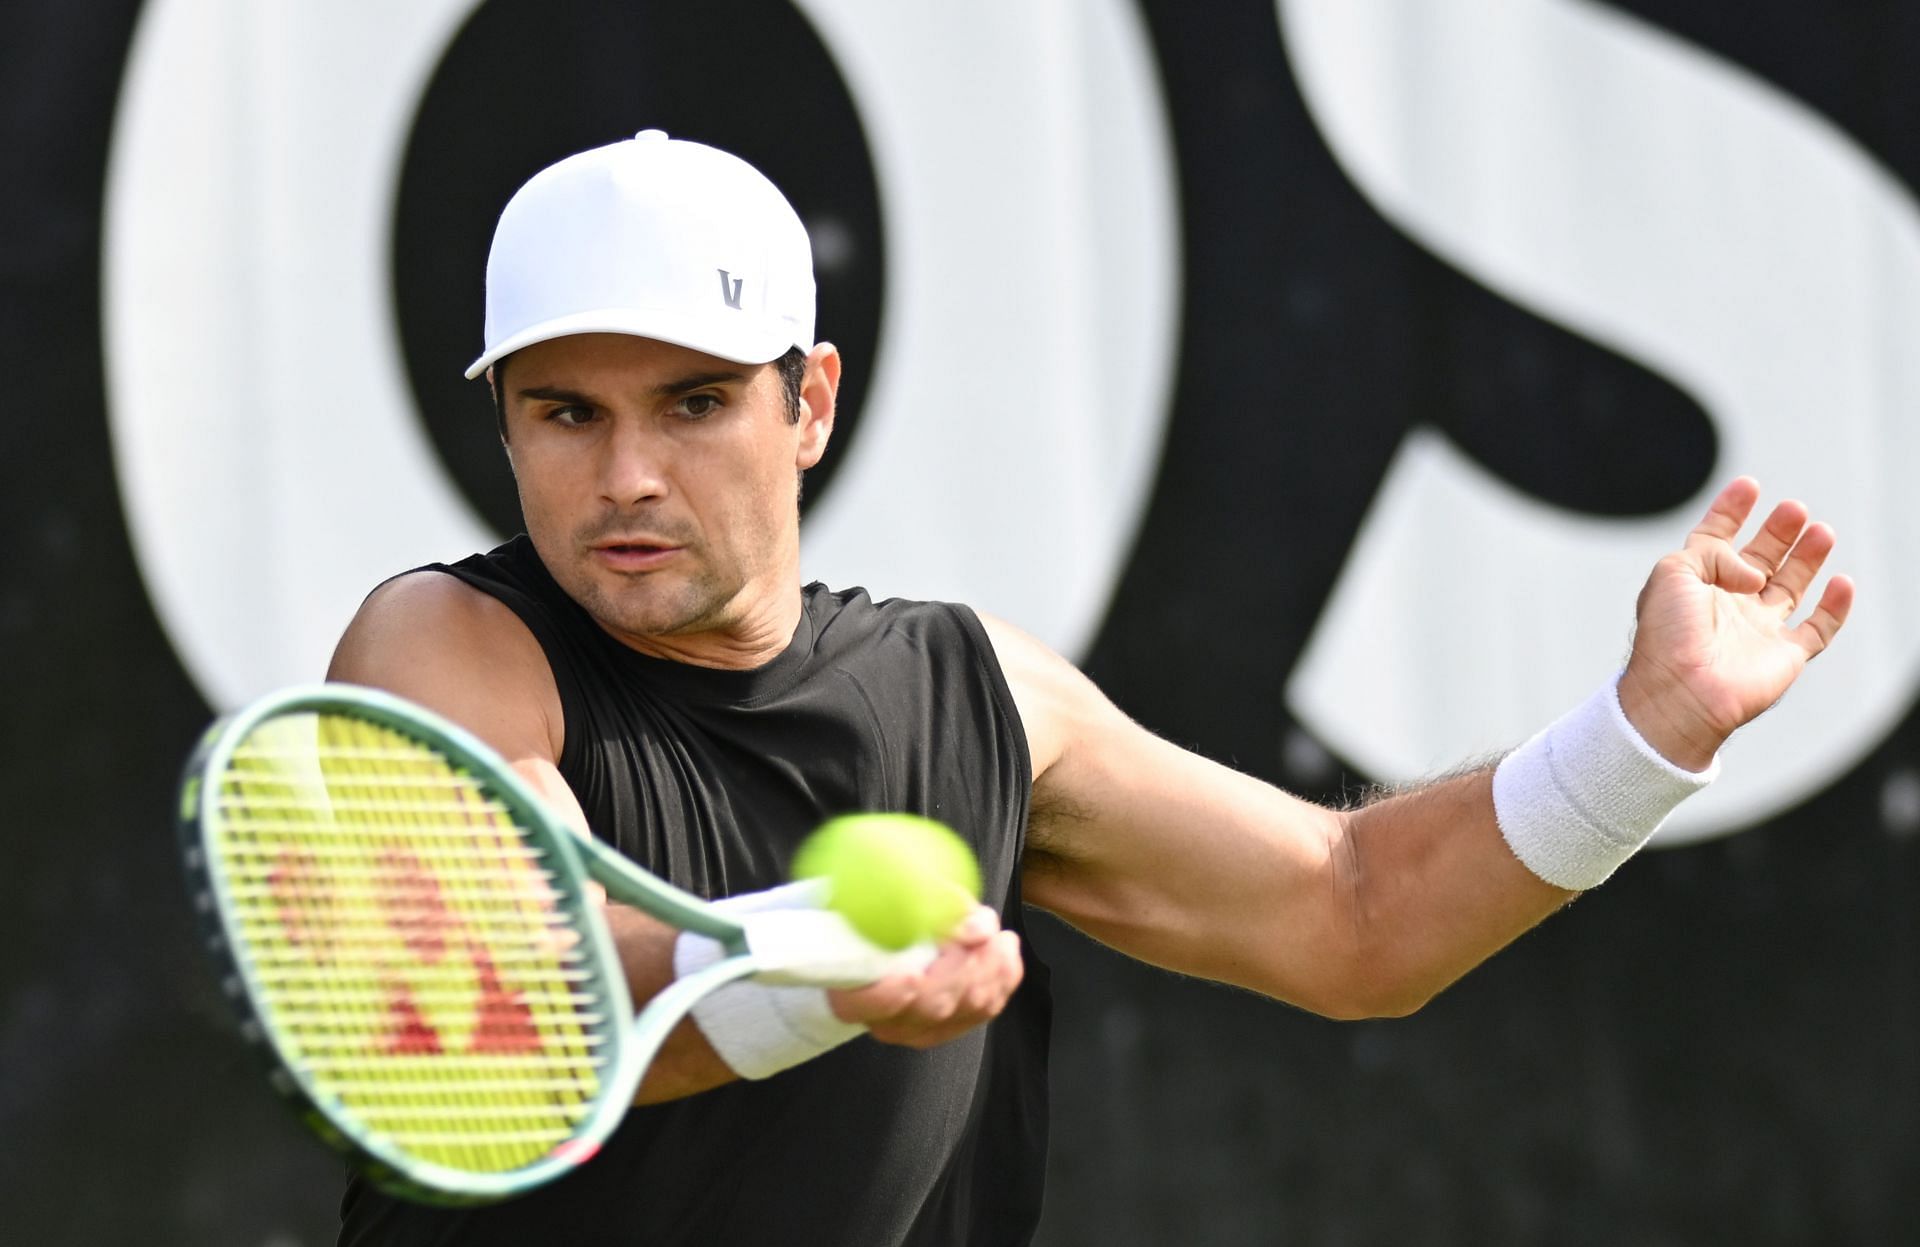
(414, 905)
(300, 906)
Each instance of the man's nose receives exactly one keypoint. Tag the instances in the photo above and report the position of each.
(633, 468)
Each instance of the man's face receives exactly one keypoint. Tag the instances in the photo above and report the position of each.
(660, 484)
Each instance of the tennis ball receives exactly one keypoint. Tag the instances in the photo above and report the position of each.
(897, 879)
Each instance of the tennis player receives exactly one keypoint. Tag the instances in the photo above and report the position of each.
(647, 656)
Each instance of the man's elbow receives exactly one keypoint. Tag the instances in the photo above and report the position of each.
(1357, 988)
(1363, 1003)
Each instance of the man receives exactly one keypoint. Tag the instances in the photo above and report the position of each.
(647, 657)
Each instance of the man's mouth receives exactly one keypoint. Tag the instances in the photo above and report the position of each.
(633, 555)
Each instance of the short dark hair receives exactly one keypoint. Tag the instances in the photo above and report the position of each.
(793, 371)
(792, 368)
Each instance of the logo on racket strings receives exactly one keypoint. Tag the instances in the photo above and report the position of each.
(431, 933)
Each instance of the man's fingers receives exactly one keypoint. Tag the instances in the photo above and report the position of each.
(1790, 583)
(1013, 966)
(1816, 632)
(961, 972)
(979, 926)
(1710, 549)
(875, 1002)
(1778, 564)
(1726, 569)
(1768, 549)
(1729, 510)
(975, 993)
(966, 985)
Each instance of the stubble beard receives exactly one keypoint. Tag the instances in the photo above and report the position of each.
(672, 601)
(648, 605)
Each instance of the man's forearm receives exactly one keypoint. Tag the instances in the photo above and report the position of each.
(1569, 807)
(1435, 890)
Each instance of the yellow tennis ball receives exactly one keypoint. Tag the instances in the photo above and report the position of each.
(897, 879)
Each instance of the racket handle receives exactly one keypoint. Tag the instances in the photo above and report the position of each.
(818, 948)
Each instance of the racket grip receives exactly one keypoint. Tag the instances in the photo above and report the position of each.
(819, 948)
(755, 1028)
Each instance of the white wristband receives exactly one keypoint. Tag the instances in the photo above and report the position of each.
(1583, 796)
(756, 1028)
(782, 1017)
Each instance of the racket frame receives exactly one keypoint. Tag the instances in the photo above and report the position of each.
(631, 1041)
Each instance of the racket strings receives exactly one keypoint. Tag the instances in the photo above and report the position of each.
(416, 964)
(496, 1125)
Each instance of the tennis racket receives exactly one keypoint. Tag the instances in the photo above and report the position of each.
(407, 934)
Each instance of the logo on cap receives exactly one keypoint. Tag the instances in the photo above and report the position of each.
(730, 290)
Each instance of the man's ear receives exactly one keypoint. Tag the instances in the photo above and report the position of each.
(819, 387)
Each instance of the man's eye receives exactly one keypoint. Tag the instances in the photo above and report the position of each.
(571, 415)
(699, 406)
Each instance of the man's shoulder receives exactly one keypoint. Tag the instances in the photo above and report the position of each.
(429, 636)
(430, 618)
(854, 611)
(433, 596)
(486, 591)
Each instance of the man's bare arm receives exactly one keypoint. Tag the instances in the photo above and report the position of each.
(1187, 864)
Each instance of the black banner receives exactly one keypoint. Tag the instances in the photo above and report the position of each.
(1721, 1045)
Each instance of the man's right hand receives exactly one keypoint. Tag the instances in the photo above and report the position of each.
(966, 985)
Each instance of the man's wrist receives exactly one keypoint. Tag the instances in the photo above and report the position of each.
(757, 1029)
(1582, 796)
(1666, 717)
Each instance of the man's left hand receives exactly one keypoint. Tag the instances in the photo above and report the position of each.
(1713, 647)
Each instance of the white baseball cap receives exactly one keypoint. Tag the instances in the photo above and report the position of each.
(657, 237)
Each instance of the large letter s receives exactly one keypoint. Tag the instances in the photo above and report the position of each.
(1657, 200)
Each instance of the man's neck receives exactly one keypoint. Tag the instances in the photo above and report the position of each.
(754, 639)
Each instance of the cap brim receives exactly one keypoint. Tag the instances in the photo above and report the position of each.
(721, 335)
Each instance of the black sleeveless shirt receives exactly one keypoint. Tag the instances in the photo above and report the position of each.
(710, 778)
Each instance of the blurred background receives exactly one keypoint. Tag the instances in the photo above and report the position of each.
(1323, 375)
